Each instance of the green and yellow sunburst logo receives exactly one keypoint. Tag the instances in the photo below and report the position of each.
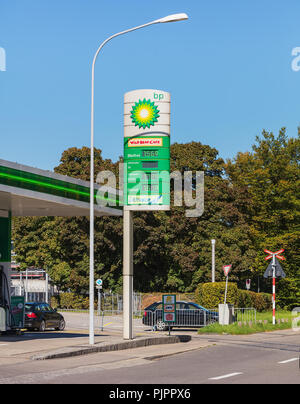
(144, 114)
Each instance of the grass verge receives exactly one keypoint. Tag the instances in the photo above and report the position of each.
(235, 329)
(263, 324)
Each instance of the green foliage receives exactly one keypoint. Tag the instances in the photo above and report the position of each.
(269, 180)
(70, 301)
(210, 295)
(288, 293)
(251, 203)
(236, 329)
(259, 301)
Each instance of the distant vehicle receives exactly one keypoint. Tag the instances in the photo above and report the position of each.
(189, 314)
(39, 316)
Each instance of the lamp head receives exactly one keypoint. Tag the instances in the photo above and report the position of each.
(173, 18)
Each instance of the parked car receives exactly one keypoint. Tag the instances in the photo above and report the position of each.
(39, 316)
(188, 314)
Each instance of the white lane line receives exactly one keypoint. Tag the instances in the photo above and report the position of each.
(289, 360)
(225, 376)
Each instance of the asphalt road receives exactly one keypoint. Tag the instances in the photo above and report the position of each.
(230, 364)
(270, 358)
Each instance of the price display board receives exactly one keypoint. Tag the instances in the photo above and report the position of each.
(147, 150)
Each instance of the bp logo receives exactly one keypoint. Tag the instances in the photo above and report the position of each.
(144, 114)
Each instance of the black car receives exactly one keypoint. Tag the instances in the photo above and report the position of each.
(188, 314)
(39, 316)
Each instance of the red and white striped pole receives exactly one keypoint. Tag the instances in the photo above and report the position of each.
(274, 281)
(273, 255)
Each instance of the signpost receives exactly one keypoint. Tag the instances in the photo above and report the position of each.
(169, 309)
(224, 309)
(99, 284)
(146, 172)
(147, 150)
(274, 270)
(226, 269)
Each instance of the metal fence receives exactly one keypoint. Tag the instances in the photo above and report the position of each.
(112, 303)
(245, 315)
(30, 296)
(33, 284)
(184, 318)
(195, 318)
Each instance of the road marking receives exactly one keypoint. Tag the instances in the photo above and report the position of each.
(225, 376)
(289, 360)
(3, 344)
(107, 324)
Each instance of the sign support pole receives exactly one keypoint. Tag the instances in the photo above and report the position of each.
(279, 272)
(274, 281)
(226, 287)
(127, 273)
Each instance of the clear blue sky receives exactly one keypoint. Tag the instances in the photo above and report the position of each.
(228, 70)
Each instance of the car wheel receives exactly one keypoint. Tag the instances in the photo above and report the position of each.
(61, 326)
(160, 325)
(42, 326)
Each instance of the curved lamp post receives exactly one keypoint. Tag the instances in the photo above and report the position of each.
(169, 18)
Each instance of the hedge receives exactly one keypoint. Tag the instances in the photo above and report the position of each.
(260, 301)
(210, 295)
(70, 301)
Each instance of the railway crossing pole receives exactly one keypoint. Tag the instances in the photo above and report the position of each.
(274, 271)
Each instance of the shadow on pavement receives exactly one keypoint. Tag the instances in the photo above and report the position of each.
(32, 335)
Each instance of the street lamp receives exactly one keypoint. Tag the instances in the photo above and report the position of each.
(169, 18)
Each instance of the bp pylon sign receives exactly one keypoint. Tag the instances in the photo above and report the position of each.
(147, 150)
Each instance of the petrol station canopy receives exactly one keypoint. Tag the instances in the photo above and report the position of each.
(28, 191)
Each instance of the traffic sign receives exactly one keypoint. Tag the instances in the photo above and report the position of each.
(226, 269)
(277, 254)
(279, 273)
(274, 271)
(99, 282)
(169, 308)
(248, 284)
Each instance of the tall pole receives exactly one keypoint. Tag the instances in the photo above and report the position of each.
(26, 287)
(274, 281)
(47, 287)
(213, 264)
(92, 197)
(127, 273)
(170, 18)
(226, 287)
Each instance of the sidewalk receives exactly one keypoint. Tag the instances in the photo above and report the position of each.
(53, 345)
(111, 343)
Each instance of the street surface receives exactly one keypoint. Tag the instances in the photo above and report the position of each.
(208, 359)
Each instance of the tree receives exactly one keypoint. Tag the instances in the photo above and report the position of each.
(269, 178)
(251, 203)
(61, 245)
(172, 252)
